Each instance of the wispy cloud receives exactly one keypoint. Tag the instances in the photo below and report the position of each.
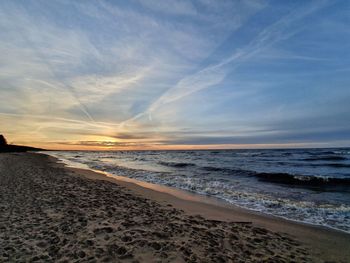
(216, 73)
(171, 7)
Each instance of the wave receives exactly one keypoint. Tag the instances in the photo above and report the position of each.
(289, 179)
(227, 170)
(214, 169)
(324, 152)
(342, 152)
(302, 180)
(108, 156)
(176, 165)
(333, 165)
(338, 165)
(326, 158)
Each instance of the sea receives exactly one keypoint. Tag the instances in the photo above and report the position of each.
(306, 185)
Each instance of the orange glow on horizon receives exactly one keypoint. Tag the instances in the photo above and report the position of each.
(73, 147)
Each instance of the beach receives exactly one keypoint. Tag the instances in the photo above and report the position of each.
(51, 213)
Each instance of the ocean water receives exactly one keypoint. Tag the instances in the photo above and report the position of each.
(307, 185)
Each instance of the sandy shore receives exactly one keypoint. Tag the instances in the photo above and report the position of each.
(49, 213)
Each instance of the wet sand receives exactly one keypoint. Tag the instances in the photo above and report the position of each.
(49, 213)
(325, 245)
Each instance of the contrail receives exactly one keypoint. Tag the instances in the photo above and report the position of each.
(214, 74)
(70, 89)
(83, 107)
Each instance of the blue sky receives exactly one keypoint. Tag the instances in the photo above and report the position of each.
(158, 74)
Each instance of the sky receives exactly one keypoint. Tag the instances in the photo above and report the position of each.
(175, 74)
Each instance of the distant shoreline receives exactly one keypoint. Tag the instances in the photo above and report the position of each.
(18, 148)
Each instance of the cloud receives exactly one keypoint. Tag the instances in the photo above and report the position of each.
(161, 72)
(170, 7)
(214, 74)
(92, 89)
(104, 144)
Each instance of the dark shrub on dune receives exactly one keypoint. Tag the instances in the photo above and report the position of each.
(3, 141)
(4, 147)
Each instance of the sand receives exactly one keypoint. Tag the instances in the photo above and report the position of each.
(49, 213)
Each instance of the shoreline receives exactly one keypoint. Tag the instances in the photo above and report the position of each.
(234, 184)
(50, 212)
(324, 242)
(185, 194)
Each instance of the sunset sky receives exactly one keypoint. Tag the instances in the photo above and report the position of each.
(175, 74)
